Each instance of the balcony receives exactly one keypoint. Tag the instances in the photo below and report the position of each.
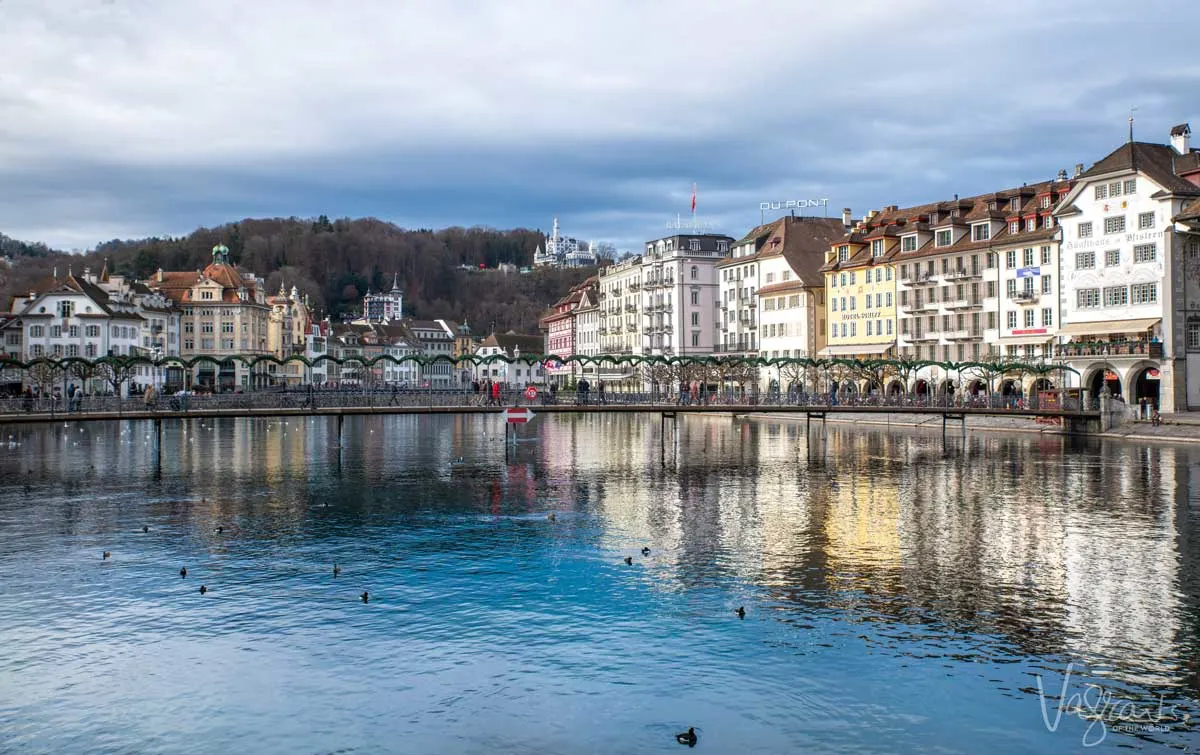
(963, 273)
(963, 304)
(635, 286)
(1110, 349)
(919, 306)
(929, 335)
(961, 335)
(1024, 297)
(602, 330)
(631, 328)
(631, 308)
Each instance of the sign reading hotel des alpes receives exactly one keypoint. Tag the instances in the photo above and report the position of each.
(1107, 242)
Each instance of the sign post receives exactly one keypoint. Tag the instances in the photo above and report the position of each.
(516, 415)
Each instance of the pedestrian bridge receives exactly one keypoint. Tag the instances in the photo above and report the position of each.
(343, 404)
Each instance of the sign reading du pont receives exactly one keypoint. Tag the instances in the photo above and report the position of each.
(793, 204)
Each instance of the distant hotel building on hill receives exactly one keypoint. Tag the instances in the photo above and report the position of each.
(563, 251)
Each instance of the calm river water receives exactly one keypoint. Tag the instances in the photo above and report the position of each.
(900, 595)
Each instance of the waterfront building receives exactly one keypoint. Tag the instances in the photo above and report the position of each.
(976, 281)
(464, 345)
(737, 294)
(435, 338)
(860, 289)
(384, 306)
(561, 328)
(287, 325)
(563, 251)
(587, 331)
(791, 300)
(316, 345)
(1124, 298)
(75, 317)
(514, 374)
(619, 292)
(224, 312)
(1187, 224)
(678, 307)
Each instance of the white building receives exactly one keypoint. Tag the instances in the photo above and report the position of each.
(511, 372)
(1123, 295)
(1187, 224)
(75, 317)
(563, 251)
(791, 300)
(737, 295)
(384, 307)
(679, 303)
(619, 290)
(587, 332)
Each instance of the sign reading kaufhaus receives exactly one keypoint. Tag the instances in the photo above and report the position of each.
(1107, 242)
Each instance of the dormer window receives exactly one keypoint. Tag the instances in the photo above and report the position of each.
(843, 253)
(954, 213)
(1014, 226)
(1045, 203)
(877, 248)
(694, 245)
(722, 246)
(981, 232)
(1031, 224)
(944, 238)
(908, 244)
(1015, 204)
(206, 294)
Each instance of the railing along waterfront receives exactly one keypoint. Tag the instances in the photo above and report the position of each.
(301, 401)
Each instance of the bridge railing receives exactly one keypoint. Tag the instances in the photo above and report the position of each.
(267, 401)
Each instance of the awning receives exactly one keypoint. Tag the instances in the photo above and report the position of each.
(1107, 327)
(1025, 341)
(861, 348)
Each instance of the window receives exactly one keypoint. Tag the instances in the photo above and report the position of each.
(853, 303)
(694, 245)
(1144, 293)
(991, 289)
(1145, 221)
(853, 329)
(695, 339)
(1014, 226)
(1028, 258)
(1114, 189)
(92, 331)
(888, 274)
(889, 324)
(889, 298)
(1085, 230)
(1131, 186)
(1112, 258)
(1047, 317)
(877, 248)
(1047, 284)
(852, 277)
(981, 232)
(722, 246)
(991, 322)
(843, 278)
(206, 294)
(1193, 335)
(908, 244)
(206, 343)
(878, 300)
(1029, 316)
(696, 319)
(1115, 224)
(1102, 191)
(1010, 258)
(73, 331)
(843, 253)
(787, 275)
(944, 238)
(226, 327)
(1048, 221)
(695, 297)
(1144, 253)
(1087, 298)
(1045, 255)
(89, 351)
(833, 303)
(56, 331)
(1031, 224)
(879, 275)
(869, 328)
(189, 344)
(1085, 260)
(1045, 203)
(1012, 320)
(1011, 287)
(65, 309)
(1116, 296)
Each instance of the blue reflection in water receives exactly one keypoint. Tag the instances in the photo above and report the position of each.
(901, 595)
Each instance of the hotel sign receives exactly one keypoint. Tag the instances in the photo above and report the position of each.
(794, 204)
(1029, 272)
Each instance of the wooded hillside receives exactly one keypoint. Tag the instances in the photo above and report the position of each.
(335, 262)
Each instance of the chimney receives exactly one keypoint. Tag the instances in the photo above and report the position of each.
(847, 219)
(1078, 169)
(1181, 138)
(1062, 175)
(160, 275)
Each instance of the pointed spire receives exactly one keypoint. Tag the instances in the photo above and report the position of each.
(395, 281)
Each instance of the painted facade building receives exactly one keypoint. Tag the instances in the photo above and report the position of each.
(1124, 270)
(679, 294)
(561, 326)
(860, 290)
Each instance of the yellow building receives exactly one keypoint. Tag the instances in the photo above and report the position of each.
(860, 291)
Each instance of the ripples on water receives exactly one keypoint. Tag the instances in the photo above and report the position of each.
(901, 595)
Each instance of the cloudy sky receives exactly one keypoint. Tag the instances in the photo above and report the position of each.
(128, 118)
